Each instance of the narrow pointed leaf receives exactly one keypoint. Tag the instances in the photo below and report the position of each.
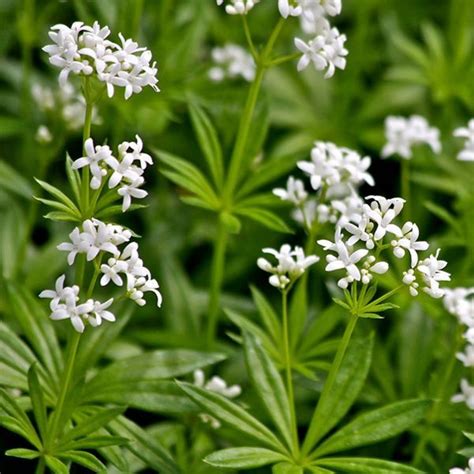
(267, 314)
(85, 459)
(22, 453)
(287, 468)
(264, 217)
(208, 141)
(366, 466)
(58, 194)
(37, 401)
(57, 466)
(93, 442)
(349, 381)
(232, 415)
(243, 458)
(375, 426)
(269, 385)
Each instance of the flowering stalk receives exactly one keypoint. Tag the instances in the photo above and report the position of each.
(406, 188)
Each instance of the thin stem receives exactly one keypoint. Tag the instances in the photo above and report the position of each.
(384, 297)
(217, 273)
(85, 135)
(55, 427)
(283, 59)
(331, 379)
(405, 187)
(40, 467)
(248, 37)
(289, 381)
(93, 281)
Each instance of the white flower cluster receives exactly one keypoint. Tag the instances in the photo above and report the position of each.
(467, 154)
(216, 385)
(238, 7)
(66, 101)
(64, 305)
(336, 172)
(468, 470)
(85, 50)
(291, 264)
(326, 49)
(96, 237)
(231, 61)
(371, 229)
(403, 133)
(460, 303)
(121, 171)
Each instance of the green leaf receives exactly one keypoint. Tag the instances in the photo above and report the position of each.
(243, 458)
(287, 468)
(60, 216)
(198, 202)
(16, 426)
(37, 401)
(12, 234)
(37, 328)
(269, 386)
(264, 217)
(444, 215)
(231, 414)
(59, 195)
(92, 424)
(13, 181)
(22, 453)
(93, 442)
(267, 314)
(349, 381)
(74, 178)
(146, 448)
(231, 222)
(149, 366)
(189, 177)
(84, 459)
(374, 426)
(367, 466)
(56, 465)
(208, 141)
(58, 205)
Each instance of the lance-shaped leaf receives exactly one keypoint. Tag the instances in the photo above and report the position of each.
(232, 415)
(57, 466)
(264, 217)
(37, 401)
(145, 447)
(366, 466)
(267, 381)
(267, 314)
(348, 383)
(189, 177)
(287, 468)
(92, 442)
(85, 459)
(375, 426)
(13, 181)
(244, 458)
(208, 141)
(22, 453)
(149, 366)
(60, 196)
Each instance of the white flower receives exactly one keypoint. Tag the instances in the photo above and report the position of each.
(454, 298)
(86, 50)
(111, 271)
(43, 135)
(291, 264)
(294, 192)
(360, 231)
(61, 293)
(238, 7)
(467, 154)
(96, 157)
(403, 133)
(409, 279)
(331, 166)
(382, 212)
(136, 287)
(466, 395)
(371, 266)
(288, 8)
(325, 50)
(409, 242)
(467, 357)
(469, 336)
(99, 312)
(232, 61)
(132, 189)
(468, 470)
(432, 272)
(345, 260)
(216, 385)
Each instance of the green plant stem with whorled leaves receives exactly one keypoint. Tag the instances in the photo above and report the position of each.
(232, 178)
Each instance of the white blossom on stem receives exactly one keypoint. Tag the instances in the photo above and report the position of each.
(232, 61)
(467, 153)
(294, 192)
(468, 470)
(466, 395)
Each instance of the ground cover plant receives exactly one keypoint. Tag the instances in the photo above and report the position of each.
(237, 236)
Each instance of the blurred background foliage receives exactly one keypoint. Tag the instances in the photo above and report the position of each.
(405, 57)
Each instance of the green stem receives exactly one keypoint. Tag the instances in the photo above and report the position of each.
(85, 135)
(40, 467)
(55, 426)
(383, 297)
(93, 281)
(249, 39)
(289, 381)
(283, 59)
(405, 187)
(217, 274)
(331, 379)
(439, 398)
